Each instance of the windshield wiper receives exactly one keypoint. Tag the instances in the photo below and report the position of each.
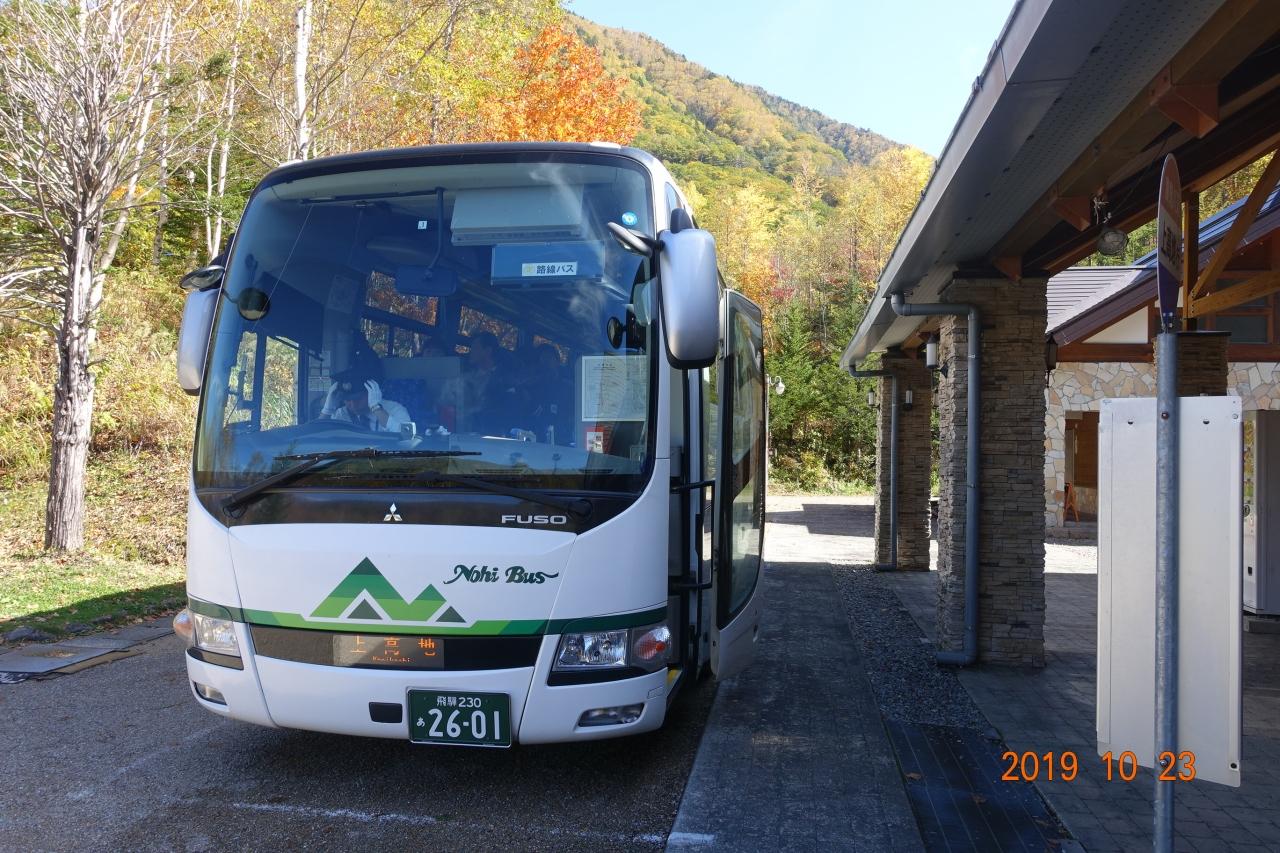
(578, 507)
(311, 460)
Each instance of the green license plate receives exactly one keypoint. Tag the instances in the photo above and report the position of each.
(465, 719)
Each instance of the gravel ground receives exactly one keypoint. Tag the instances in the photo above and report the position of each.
(899, 661)
(909, 686)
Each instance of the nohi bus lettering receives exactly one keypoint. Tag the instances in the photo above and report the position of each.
(550, 387)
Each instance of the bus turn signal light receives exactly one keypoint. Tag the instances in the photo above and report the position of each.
(651, 647)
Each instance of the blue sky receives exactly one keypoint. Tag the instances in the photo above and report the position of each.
(902, 68)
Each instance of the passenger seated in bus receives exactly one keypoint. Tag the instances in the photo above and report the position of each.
(355, 398)
(471, 402)
(547, 396)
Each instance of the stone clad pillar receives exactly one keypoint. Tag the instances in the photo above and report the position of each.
(1011, 480)
(1202, 363)
(915, 458)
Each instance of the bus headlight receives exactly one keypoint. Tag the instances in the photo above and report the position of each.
(594, 650)
(647, 648)
(214, 635)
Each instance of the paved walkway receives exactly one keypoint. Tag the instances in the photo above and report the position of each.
(795, 755)
(1054, 709)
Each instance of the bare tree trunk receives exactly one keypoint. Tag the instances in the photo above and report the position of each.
(130, 196)
(217, 186)
(162, 169)
(72, 403)
(302, 47)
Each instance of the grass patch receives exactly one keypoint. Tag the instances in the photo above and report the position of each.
(784, 480)
(132, 565)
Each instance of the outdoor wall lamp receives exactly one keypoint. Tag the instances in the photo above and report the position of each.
(907, 399)
(1111, 241)
(871, 399)
(931, 352)
(1051, 354)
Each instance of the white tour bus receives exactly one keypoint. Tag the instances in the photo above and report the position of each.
(480, 454)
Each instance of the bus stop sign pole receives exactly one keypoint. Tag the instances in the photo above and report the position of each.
(1168, 282)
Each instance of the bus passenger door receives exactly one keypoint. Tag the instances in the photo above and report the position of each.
(739, 490)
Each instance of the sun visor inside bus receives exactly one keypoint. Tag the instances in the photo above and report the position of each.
(547, 263)
(487, 217)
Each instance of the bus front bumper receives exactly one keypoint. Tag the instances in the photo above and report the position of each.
(288, 694)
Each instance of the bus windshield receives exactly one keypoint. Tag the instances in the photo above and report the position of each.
(473, 306)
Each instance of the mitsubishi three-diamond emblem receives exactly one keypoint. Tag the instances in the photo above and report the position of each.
(392, 515)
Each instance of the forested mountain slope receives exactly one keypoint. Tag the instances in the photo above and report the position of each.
(712, 130)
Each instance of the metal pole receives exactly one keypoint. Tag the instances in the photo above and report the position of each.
(973, 439)
(893, 473)
(1166, 580)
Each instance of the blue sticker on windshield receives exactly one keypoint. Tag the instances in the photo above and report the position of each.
(629, 219)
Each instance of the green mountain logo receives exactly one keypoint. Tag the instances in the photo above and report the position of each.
(366, 594)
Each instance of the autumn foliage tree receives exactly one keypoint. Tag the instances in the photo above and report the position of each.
(563, 93)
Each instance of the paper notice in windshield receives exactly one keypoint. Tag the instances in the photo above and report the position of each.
(615, 387)
(554, 268)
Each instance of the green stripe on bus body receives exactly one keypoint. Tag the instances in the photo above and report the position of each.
(485, 627)
(217, 611)
(490, 627)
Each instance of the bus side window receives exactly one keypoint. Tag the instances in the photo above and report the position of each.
(265, 383)
(240, 396)
(745, 488)
(673, 199)
(280, 383)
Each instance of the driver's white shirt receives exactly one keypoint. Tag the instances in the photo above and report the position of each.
(397, 416)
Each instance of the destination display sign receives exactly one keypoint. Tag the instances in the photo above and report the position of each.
(393, 652)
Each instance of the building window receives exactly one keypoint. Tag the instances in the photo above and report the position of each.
(1249, 323)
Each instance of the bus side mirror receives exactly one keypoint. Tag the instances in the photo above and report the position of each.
(203, 278)
(193, 337)
(690, 297)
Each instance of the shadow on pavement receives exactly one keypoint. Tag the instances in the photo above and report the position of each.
(830, 519)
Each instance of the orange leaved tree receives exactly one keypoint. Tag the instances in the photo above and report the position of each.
(563, 93)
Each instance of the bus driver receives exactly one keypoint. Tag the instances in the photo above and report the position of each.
(356, 399)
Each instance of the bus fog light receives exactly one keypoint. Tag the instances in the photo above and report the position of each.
(209, 694)
(651, 647)
(215, 635)
(616, 716)
(596, 650)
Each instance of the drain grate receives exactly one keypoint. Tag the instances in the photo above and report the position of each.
(952, 778)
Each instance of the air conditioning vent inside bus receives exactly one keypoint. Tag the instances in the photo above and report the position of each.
(517, 215)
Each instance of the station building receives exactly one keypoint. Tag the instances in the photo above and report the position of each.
(1061, 141)
(1102, 320)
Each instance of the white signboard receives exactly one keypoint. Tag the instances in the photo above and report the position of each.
(615, 387)
(1209, 559)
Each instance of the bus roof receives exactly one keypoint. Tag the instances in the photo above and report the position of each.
(362, 159)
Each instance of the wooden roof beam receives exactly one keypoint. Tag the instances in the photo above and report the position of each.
(1010, 265)
(1247, 213)
(1193, 106)
(1124, 148)
(1238, 294)
(1076, 211)
(1241, 140)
